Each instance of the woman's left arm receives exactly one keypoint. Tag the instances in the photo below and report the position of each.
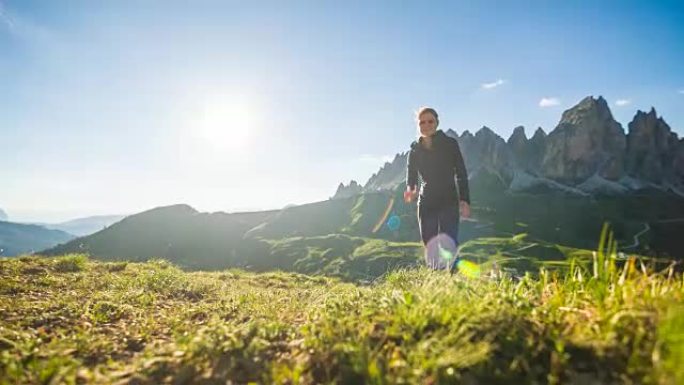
(461, 173)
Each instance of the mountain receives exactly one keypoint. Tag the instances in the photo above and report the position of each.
(654, 153)
(85, 226)
(17, 238)
(390, 174)
(586, 154)
(587, 141)
(177, 232)
(527, 153)
(518, 144)
(3, 215)
(348, 191)
(487, 151)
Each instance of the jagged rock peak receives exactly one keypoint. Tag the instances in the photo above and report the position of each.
(643, 114)
(486, 132)
(651, 148)
(389, 175)
(587, 140)
(451, 133)
(539, 133)
(518, 135)
(520, 129)
(650, 117)
(588, 104)
(590, 101)
(351, 183)
(484, 129)
(587, 107)
(346, 191)
(466, 134)
(590, 113)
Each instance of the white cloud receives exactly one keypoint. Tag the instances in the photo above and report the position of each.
(622, 102)
(549, 102)
(489, 86)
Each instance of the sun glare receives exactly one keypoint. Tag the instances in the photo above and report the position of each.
(226, 123)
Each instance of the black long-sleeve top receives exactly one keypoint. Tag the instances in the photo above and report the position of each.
(437, 167)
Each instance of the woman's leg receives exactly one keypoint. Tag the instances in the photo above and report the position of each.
(448, 219)
(428, 225)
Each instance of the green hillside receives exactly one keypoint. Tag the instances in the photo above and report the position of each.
(72, 320)
(178, 233)
(352, 258)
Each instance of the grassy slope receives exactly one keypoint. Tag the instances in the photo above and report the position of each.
(218, 241)
(71, 320)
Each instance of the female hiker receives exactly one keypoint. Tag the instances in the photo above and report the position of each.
(436, 157)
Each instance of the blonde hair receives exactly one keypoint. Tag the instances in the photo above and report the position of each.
(423, 110)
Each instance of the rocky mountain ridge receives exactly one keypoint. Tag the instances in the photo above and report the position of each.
(587, 153)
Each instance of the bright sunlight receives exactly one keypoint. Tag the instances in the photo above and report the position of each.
(226, 123)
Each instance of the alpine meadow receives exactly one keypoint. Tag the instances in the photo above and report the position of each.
(304, 192)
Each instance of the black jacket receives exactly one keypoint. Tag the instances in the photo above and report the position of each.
(437, 167)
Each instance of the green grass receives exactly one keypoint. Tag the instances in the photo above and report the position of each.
(360, 259)
(340, 255)
(72, 320)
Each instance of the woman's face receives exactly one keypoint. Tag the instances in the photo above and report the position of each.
(427, 124)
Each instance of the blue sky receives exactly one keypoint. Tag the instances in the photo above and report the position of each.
(113, 107)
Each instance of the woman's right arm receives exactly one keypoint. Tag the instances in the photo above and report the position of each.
(411, 171)
(411, 177)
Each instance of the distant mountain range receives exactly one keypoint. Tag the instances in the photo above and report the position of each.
(17, 238)
(84, 226)
(588, 153)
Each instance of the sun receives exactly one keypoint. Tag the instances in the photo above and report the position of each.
(226, 123)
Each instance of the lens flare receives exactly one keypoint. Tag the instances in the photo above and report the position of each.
(394, 222)
(467, 268)
(445, 254)
(440, 251)
(378, 225)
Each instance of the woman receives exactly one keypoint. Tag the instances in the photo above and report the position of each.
(437, 157)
